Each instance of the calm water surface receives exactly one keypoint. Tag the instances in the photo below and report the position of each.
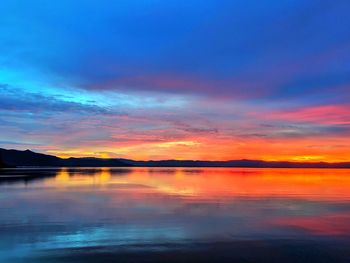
(174, 215)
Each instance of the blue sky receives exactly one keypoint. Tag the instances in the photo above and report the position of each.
(121, 78)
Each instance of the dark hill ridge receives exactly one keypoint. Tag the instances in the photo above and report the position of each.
(29, 158)
(93, 162)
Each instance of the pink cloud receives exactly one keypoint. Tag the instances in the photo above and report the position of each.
(328, 115)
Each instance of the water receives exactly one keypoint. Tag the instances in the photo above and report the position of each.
(174, 215)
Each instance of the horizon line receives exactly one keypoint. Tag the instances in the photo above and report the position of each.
(188, 160)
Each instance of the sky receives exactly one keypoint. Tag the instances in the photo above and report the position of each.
(176, 79)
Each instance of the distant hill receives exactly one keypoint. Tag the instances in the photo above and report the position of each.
(30, 158)
(27, 158)
(93, 162)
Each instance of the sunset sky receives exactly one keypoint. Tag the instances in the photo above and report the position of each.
(177, 79)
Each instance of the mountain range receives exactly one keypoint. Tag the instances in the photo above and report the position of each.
(28, 158)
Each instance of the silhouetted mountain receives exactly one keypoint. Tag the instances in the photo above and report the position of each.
(29, 158)
(92, 162)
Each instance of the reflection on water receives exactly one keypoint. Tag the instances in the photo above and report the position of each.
(47, 214)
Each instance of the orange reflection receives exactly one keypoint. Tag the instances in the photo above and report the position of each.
(207, 183)
(304, 199)
(81, 177)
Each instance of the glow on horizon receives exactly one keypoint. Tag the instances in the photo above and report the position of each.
(279, 151)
